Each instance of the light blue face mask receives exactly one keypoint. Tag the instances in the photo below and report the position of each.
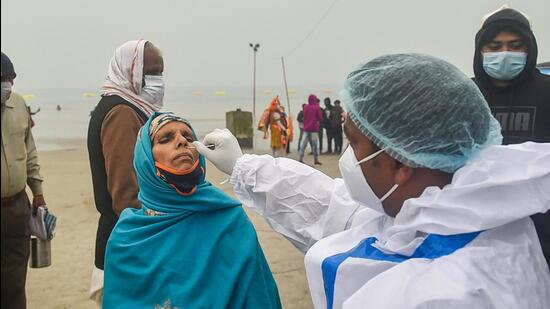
(504, 65)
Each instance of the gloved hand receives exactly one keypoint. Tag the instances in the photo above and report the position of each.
(226, 150)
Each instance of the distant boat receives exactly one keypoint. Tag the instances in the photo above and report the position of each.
(88, 94)
(327, 91)
(198, 93)
(220, 93)
(29, 97)
(292, 92)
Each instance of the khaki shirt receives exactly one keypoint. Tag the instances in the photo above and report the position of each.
(19, 156)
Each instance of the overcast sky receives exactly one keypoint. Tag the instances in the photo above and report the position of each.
(68, 43)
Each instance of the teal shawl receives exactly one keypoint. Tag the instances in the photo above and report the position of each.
(202, 252)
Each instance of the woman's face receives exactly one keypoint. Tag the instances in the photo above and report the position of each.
(171, 146)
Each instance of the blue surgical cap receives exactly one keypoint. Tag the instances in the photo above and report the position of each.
(421, 110)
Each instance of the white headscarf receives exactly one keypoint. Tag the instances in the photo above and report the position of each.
(125, 75)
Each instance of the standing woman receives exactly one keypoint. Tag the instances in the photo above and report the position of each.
(277, 125)
(190, 245)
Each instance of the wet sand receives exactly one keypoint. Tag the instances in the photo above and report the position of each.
(68, 192)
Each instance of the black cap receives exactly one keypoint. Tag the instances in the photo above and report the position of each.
(7, 67)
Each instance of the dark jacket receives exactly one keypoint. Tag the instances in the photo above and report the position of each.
(313, 116)
(300, 117)
(112, 135)
(523, 106)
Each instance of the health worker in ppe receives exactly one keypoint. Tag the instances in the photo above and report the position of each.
(431, 212)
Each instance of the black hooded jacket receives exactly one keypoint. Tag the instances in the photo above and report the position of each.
(522, 107)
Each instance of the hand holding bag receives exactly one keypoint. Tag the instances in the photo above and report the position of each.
(42, 223)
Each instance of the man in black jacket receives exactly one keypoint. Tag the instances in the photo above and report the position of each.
(518, 94)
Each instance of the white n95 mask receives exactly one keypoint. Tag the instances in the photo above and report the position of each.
(153, 90)
(356, 184)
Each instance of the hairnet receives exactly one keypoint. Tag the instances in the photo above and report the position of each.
(421, 110)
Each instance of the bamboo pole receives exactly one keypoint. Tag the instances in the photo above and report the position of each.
(286, 87)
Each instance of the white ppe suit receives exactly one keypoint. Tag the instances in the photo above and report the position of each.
(468, 245)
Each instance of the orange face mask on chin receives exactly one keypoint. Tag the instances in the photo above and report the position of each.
(184, 181)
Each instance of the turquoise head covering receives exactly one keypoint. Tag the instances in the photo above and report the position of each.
(184, 251)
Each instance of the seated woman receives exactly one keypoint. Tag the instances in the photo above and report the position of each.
(190, 245)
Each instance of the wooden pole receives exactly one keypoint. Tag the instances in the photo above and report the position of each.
(255, 49)
(286, 86)
(254, 91)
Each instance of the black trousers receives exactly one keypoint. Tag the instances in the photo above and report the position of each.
(330, 138)
(338, 139)
(15, 245)
(321, 140)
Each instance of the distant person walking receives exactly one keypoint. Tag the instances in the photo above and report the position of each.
(19, 168)
(312, 120)
(300, 119)
(134, 89)
(321, 131)
(336, 119)
(327, 125)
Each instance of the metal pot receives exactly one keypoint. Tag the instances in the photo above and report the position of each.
(41, 253)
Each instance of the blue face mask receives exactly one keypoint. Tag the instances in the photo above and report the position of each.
(504, 65)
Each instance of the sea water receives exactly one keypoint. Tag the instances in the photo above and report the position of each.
(205, 108)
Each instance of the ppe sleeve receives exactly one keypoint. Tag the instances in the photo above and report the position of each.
(297, 200)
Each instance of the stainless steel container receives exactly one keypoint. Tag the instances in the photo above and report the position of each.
(41, 253)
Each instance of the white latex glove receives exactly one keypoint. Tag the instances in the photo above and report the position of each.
(226, 150)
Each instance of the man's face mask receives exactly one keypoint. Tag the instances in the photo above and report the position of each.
(504, 65)
(153, 90)
(6, 91)
(356, 184)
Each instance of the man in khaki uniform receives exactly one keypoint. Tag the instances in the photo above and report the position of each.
(19, 168)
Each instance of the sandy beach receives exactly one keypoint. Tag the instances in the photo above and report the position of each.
(68, 192)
